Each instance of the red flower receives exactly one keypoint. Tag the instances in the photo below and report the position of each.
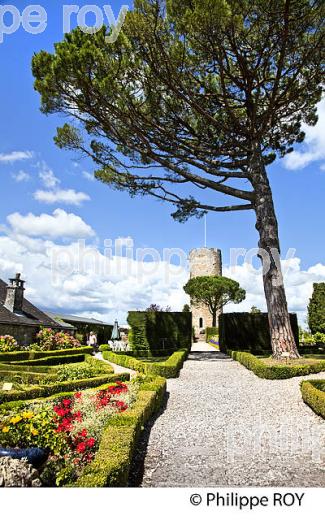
(62, 411)
(77, 416)
(66, 424)
(121, 405)
(81, 448)
(91, 442)
(84, 433)
(78, 395)
(66, 402)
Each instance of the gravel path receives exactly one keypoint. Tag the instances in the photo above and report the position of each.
(223, 426)
(118, 369)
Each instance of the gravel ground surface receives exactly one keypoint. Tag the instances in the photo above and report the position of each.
(223, 426)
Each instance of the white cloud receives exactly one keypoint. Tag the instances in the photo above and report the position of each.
(12, 157)
(82, 280)
(88, 176)
(21, 176)
(79, 278)
(313, 148)
(61, 196)
(298, 283)
(58, 225)
(47, 175)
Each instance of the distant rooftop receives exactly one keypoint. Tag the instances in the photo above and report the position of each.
(22, 312)
(71, 318)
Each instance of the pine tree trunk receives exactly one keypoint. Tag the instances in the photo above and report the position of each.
(214, 319)
(282, 339)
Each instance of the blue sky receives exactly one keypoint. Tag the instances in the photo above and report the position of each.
(298, 184)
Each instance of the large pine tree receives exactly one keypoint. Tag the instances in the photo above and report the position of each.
(195, 97)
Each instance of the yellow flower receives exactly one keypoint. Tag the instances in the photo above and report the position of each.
(34, 431)
(28, 415)
(5, 429)
(16, 419)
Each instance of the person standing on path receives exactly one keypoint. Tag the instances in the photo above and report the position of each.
(92, 341)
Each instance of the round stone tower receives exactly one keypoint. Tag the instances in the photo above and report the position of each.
(203, 262)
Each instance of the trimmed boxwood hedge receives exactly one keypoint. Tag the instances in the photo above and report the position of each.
(37, 354)
(152, 331)
(34, 392)
(313, 393)
(249, 331)
(169, 368)
(144, 353)
(111, 465)
(50, 360)
(46, 369)
(275, 372)
(28, 377)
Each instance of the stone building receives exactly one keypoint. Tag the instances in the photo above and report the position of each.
(203, 262)
(20, 318)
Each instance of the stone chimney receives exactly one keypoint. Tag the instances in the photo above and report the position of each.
(15, 294)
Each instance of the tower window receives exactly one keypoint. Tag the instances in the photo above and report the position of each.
(201, 323)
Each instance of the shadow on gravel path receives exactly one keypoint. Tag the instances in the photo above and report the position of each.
(137, 465)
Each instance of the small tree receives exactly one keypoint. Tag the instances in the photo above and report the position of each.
(215, 292)
(255, 310)
(316, 309)
(186, 308)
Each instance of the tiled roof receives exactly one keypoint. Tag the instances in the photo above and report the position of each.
(31, 315)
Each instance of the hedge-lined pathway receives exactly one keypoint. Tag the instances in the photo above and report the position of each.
(218, 406)
(118, 369)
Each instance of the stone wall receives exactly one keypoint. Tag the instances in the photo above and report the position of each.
(23, 335)
(203, 262)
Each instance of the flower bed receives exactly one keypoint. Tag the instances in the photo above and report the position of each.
(111, 465)
(214, 343)
(313, 393)
(48, 339)
(36, 391)
(70, 427)
(8, 343)
(277, 371)
(169, 368)
(90, 373)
